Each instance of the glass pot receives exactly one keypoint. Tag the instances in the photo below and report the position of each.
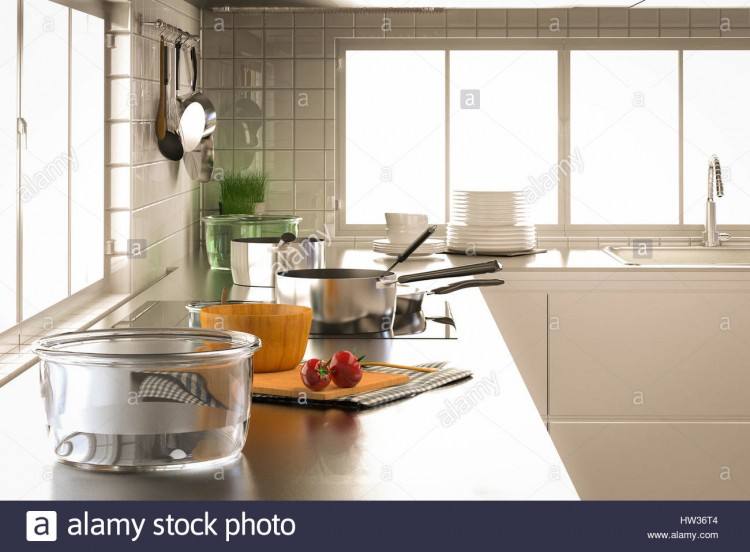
(220, 230)
(146, 399)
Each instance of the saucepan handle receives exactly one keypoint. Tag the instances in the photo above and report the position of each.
(450, 288)
(413, 246)
(454, 272)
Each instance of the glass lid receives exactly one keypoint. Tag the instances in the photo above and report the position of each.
(134, 345)
(259, 219)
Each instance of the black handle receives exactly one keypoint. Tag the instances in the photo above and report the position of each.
(177, 48)
(463, 284)
(194, 61)
(446, 320)
(413, 246)
(165, 65)
(286, 238)
(468, 270)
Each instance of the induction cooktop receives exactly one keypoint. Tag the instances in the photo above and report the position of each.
(434, 322)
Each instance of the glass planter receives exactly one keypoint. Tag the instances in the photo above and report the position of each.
(220, 230)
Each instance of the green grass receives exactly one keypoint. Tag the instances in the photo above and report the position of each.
(241, 191)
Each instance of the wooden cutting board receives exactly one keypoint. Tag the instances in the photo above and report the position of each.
(289, 384)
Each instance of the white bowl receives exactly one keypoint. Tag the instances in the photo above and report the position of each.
(403, 235)
(411, 220)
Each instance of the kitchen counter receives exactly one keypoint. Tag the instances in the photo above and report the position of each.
(478, 439)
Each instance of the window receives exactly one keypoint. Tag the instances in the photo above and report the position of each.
(624, 128)
(602, 134)
(8, 179)
(53, 168)
(395, 134)
(503, 136)
(717, 120)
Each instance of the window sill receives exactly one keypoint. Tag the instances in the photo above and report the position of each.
(15, 344)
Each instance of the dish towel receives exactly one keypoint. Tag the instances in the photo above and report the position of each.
(419, 382)
(181, 387)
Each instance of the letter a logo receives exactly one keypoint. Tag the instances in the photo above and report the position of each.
(41, 525)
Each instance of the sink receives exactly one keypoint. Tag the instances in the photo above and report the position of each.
(694, 256)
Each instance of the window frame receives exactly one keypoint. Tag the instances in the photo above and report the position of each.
(98, 287)
(563, 47)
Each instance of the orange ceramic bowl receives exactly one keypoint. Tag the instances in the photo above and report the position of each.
(282, 329)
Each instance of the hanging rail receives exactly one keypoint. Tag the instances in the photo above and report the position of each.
(305, 9)
(172, 34)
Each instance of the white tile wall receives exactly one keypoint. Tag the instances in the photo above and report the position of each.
(284, 60)
(149, 197)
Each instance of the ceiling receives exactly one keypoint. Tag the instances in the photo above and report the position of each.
(471, 3)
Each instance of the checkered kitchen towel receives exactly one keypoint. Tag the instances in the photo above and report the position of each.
(419, 382)
(181, 387)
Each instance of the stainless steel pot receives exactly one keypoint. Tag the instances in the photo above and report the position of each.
(352, 301)
(255, 261)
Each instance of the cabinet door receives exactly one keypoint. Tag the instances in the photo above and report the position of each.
(645, 353)
(656, 461)
(521, 318)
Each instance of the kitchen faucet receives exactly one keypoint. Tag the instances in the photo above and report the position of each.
(712, 238)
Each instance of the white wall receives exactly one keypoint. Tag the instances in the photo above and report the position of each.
(149, 198)
(280, 58)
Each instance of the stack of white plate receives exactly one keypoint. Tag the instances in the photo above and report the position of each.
(490, 222)
(429, 247)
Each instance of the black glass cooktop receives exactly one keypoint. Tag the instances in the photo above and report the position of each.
(434, 322)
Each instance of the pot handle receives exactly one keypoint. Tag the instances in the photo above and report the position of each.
(456, 271)
(413, 246)
(194, 63)
(464, 284)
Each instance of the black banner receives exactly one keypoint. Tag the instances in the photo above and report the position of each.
(365, 526)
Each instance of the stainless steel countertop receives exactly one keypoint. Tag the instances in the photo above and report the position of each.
(479, 439)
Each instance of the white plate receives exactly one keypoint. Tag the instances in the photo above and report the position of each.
(492, 230)
(430, 242)
(429, 247)
(415, 254)
(418, 251)
(490, 250)
(495, 200)
(489, 208)
(469, 239)
(460, 227)
(482, 202)
(488, 194)
(491, 237)
(509, 220)
(519, 238)
(397, 250)
(491, 243)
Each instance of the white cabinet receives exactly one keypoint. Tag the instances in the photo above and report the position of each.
(521, 318)
(655, 460)
(649, 354)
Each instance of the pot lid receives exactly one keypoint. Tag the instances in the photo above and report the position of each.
(139, 345)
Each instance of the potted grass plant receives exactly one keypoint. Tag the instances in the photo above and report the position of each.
(241, 204)
(242, 193)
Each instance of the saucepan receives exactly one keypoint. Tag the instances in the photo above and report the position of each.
(354, 301)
